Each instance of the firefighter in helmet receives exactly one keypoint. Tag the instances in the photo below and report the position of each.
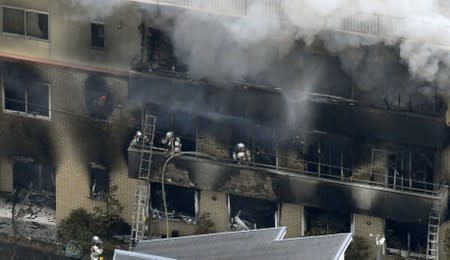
(172, 143)
(241, 153)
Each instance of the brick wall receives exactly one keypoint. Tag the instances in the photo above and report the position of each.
(216, 204)
(291, 217)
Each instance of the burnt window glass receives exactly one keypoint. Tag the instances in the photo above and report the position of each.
(97, 35)
(99, 179)
(37, 25)
(15, 96)
(13, 20)
(37, 99)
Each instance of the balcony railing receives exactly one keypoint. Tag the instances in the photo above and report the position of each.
(325, 171)
(372, 25)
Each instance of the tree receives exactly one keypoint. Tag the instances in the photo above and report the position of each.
(358, 249)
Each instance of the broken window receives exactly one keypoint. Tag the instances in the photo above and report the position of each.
(392, 168)
(250, 213)
(406, 239)
(321, 221)
(179, 122)
(97, 35)
(25, 22)
(263, 146)
(160, 52)
(30, 98)
(329, 156)
(31, 175)
(99, 181)
(182, 203)
(98, 97)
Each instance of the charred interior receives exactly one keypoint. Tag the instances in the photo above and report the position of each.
(182, 203)
(322, 221)
(248, 213)
(406, 238)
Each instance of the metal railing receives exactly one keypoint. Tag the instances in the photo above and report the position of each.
(374, 25)
(326, 171)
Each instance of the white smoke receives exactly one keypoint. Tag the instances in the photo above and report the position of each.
(225, 48)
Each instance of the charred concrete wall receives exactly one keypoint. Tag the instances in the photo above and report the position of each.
(70, 32)
(70, 138)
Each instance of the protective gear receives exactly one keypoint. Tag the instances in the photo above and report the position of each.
(139, 139)
(96, 248)
(95, 239)
(172, 143)
(241, 153)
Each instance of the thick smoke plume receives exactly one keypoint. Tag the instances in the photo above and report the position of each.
(235, 48)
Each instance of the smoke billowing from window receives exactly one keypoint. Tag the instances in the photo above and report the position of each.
(234, 48)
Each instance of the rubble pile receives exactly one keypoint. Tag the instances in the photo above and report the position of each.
(35, 214)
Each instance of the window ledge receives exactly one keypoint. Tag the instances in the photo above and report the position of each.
(22, 36)
(23, 114)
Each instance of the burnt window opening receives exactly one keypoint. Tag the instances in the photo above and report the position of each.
(405, 238)
(29, 98)
(180, 122)
(34, 182)
(322, 221)
(25, 22)
(263, 146)
(328, 156)
(400, 169)
(99, 181)
(160, 52)
(253, 213)
(97, 35)
(182, 203)
(98, 97)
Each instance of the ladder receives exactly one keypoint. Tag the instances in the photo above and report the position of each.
(140, 216)
(434, 219)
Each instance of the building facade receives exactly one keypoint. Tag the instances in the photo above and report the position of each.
(343, 156)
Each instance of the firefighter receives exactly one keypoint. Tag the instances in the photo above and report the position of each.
(172, 143)
(96, 248)
(137, 139)
(241, 153)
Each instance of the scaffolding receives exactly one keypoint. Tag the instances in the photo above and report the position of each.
(141, 216)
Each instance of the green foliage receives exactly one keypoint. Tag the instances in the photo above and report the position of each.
(104, 222)
(205, 225)
(358, 249)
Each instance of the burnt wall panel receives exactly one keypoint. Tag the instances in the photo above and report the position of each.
(343, 197)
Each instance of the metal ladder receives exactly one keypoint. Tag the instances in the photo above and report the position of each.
(140, 215)
(434, 221)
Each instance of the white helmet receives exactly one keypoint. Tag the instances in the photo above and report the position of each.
(169, 135)
(139, 133)
(95, 239)
(240, 146)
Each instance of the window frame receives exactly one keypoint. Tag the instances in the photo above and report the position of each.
(25, 35)
(104, 35)
(27, 114)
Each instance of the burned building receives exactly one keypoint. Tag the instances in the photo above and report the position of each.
(336, 145)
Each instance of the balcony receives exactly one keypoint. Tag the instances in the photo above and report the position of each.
(335, 192)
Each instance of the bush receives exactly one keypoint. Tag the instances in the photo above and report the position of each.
(358, 249)
(104, 222)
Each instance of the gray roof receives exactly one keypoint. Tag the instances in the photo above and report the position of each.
(128, 255)
(253, 244)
